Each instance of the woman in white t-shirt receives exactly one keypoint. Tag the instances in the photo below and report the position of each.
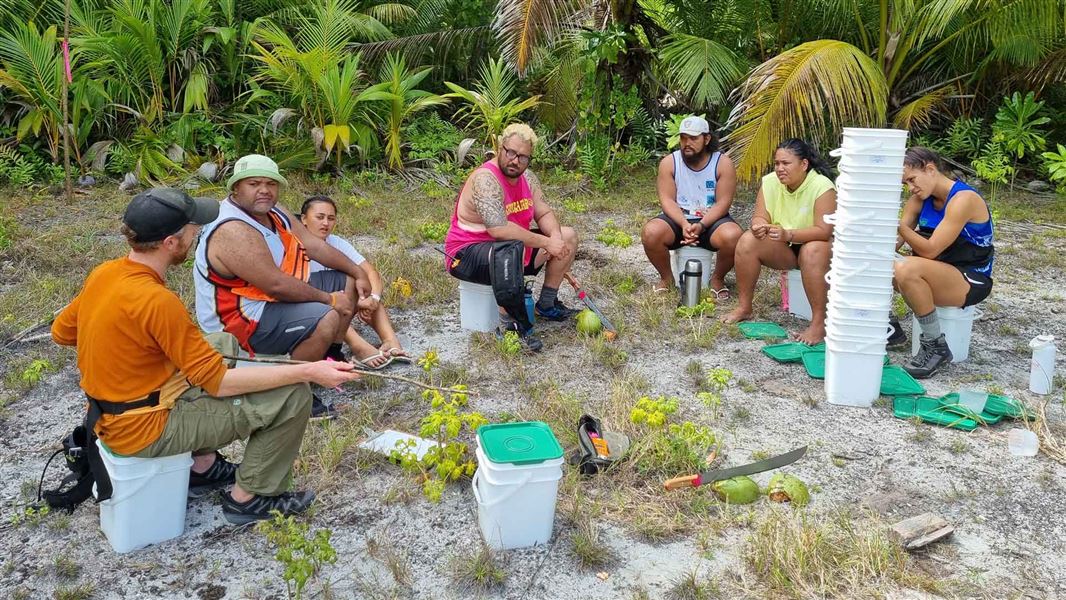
(319, 215)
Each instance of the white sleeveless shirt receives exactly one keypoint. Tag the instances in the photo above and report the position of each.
(695, 189)
(206, 298)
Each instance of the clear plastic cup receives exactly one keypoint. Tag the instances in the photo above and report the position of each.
(974, 400)
(1022, 442)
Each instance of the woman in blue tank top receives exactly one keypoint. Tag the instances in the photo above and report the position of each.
(948, 227)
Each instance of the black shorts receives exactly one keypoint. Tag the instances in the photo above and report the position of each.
(284, 325)
(980, 286)
(474, 263)
(704, 240)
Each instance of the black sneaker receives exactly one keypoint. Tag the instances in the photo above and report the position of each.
(931, 357)
(320, 410)
(529, 341)
(220, 474)
(557, 312)
(260, 507)
(898, 337)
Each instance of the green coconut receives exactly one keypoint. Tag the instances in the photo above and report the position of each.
(788, 488)
(738, 490)
(588, 322)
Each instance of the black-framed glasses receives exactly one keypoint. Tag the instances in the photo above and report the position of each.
(523, 159)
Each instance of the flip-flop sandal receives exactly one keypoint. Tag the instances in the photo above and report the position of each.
(362, 363)
(659, 290)
(400, 355)
(722, 294)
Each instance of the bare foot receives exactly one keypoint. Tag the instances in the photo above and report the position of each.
(392, 347)
(814, 334)
(664, 285)
(739, 314)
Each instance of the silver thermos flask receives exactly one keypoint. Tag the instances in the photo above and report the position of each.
(691, 282)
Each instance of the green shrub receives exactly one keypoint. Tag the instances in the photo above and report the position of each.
(429, 136)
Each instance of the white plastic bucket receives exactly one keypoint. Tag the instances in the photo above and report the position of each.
(852, 379)
(681, 255)
(854, 296)
(860, 183)
(863, 222)
(859, 281)
(841, 311)
(516, 503)
(886, 173)
(867, 327)
(867, 138)
(477, 307)
(148, 500)
(957, 326)
(798, 304)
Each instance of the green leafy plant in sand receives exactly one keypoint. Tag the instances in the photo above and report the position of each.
(300, 552)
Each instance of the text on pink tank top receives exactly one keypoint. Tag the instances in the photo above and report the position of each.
(517, 204)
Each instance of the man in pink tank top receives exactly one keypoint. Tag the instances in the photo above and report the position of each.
(491, 240)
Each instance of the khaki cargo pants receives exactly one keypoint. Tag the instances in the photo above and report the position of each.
(273, 422)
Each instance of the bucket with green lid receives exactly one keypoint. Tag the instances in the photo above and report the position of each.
(516, 484)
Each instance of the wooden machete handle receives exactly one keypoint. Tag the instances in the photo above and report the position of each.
(681, 482)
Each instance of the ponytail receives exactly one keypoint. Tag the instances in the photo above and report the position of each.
(805, 151)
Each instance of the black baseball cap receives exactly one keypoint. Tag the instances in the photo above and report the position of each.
(160, 212)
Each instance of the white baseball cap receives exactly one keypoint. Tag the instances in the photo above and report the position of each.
(693, 125)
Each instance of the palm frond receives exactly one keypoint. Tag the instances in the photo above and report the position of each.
(701, 69)
(919, 112)
(523, 25)
(813, 88)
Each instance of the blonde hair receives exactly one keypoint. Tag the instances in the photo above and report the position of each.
(523, 131)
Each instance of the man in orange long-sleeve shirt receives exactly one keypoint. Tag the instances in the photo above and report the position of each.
(159, 388)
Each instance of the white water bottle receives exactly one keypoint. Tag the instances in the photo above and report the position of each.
(1042, 369)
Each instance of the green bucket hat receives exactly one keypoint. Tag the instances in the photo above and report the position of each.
(255, 165)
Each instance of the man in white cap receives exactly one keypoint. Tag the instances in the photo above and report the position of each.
(253, 277)
(696, 184)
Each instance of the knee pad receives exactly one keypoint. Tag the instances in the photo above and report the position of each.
(508, 282)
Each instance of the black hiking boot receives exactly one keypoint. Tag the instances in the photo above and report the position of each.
(898, 338)
(260, 507)
(320, 411)
(932, 356)
(530, 342)
(220, 474)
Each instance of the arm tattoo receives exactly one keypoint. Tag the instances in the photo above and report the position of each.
(533, 181)
(488, 200)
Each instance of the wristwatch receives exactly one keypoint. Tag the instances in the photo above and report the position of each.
(376, 297)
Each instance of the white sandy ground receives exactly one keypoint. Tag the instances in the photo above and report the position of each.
(1009, 513)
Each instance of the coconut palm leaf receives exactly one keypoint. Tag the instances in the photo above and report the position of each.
(32, 69)
(402, 83)
(490, 106)
(813, 88)
(702, 69)
(522, 25)
(919, 112)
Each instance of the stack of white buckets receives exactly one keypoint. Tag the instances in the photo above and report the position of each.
(860, 275)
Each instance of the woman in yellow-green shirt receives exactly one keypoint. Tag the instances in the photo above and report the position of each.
(787, 231)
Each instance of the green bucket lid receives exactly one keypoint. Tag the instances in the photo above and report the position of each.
(522, 443)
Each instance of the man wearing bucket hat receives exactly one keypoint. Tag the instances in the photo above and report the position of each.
(156, 387)
(253, 276)
(695, 185)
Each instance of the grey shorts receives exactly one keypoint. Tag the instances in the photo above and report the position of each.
(284, 325)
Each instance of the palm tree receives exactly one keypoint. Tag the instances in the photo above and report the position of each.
(902, 62)
(406, 101)
(491, 105)
(32, 72)
(318, 81)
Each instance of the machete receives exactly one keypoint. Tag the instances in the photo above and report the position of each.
(610, 331)
(774, 462)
